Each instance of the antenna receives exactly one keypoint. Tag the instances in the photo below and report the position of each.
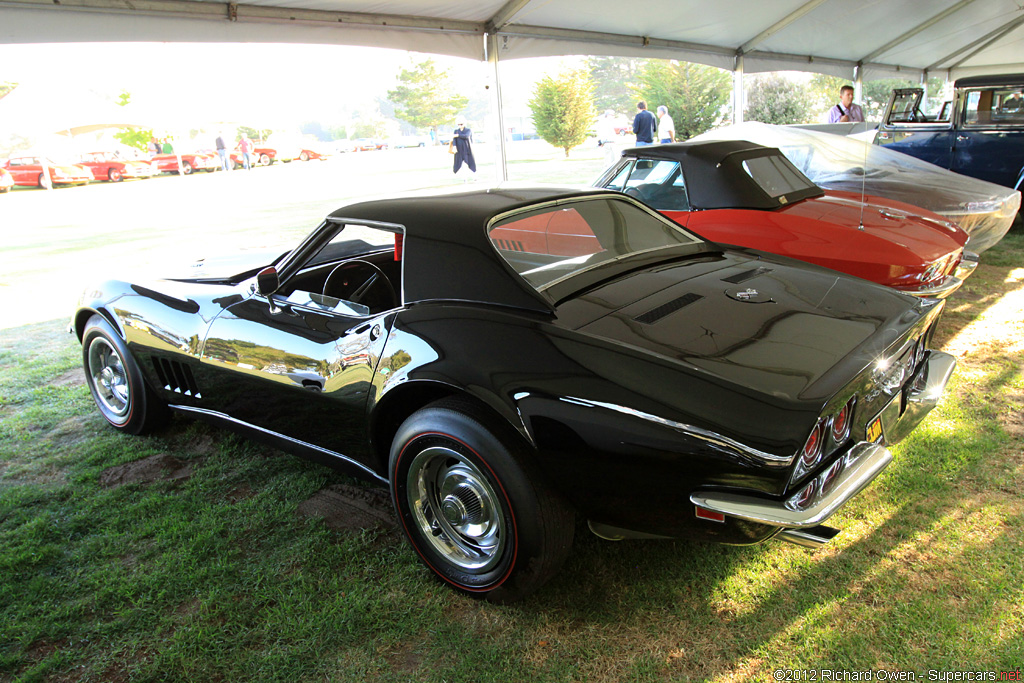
(863, 181)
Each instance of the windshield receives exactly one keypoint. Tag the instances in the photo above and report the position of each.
(553, 243)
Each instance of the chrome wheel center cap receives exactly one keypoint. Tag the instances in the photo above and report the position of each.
(454, 510)
(107, 377)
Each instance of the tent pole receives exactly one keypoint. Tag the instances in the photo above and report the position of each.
(737, 90)
(491, 48)
(858, 83)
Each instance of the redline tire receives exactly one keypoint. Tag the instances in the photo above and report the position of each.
(474, 508)
(116, 383)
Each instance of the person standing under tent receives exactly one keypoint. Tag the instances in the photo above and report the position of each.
(461, 146)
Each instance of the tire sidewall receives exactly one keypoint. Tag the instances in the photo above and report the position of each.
(135, 423)
(491, 456)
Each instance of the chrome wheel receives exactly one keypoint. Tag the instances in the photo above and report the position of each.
(456, 509)
(109, 380)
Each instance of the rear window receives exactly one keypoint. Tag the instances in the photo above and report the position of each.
(553, 243)
(777, 176)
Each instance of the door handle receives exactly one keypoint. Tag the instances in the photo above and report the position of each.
(962, 138)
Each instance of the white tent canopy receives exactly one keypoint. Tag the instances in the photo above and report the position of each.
(883, 38)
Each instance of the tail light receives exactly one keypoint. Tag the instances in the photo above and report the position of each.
(812, 447)
(841, 422)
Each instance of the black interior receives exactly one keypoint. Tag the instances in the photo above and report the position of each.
(371, 279)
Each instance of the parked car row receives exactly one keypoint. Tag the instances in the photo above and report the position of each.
(112, 166)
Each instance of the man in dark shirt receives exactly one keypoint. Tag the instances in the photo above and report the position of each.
(644, 125)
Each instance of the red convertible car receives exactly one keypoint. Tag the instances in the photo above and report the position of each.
(741, 193)
(28, 172)
(193, 161)
(115, 168)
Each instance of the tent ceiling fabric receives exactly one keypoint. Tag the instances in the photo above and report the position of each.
(887, 37)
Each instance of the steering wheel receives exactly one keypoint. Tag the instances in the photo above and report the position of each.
(354, 270)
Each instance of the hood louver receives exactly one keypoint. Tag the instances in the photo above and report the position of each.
(746, 275)
(655, 314)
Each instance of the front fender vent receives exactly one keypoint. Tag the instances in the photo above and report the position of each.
(655, 314)
(746, 275)
(176, 377)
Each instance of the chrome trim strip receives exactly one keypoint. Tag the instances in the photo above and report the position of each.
(860, 466)
(304, 444)
(722, 443)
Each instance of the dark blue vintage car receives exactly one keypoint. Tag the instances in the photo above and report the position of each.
(979, 133)
(621, 369)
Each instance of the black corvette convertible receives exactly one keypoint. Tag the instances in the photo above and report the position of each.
(613, 366)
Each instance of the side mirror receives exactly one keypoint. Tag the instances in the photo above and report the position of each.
(267, 281)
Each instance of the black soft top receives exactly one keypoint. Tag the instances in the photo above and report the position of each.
(448, 254)
(997, 79)
(714, 174)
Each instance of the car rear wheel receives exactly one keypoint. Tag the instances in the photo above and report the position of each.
(303, 157)
(44, 181)
(186, 168)
(264, 160)
(115, 175)
(475, 508)
(116, 383)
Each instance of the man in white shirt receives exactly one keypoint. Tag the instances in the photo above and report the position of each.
(666, 126)
(846, 110)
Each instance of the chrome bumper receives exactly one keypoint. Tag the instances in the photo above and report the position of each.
(967, 265)
(815, 502)
(820, 497)
(924, 393)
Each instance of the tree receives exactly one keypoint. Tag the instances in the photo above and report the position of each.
(425, 97)
(773, 98)
(614, 83)
(697, 96)
(259, 134)
(563, 108)
(133, 137)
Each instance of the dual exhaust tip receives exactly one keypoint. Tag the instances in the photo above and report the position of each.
(811, 537)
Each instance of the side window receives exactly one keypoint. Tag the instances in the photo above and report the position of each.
(1009, 105)
(618, 183)
(985, 107)
(660, 184)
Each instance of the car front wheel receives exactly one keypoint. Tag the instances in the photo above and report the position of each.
(186, 168)
(475, 508)
(115, 382)
(264, 160)
(115, 176)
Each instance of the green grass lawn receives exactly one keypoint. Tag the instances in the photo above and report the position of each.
(215, 576)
